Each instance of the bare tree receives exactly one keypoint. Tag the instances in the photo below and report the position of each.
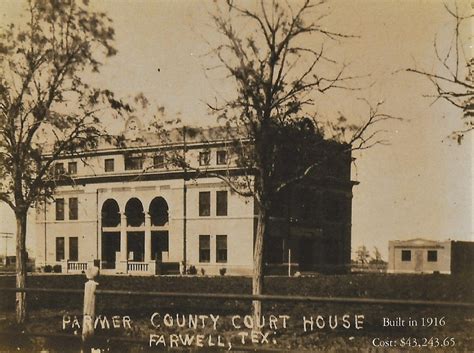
(47, 111)
(279, 76)
(363, 255)
(454, 81)
(377, 257)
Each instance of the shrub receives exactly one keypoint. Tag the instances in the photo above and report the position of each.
(222, 271)
(57, 268)
(48, 268)
(203, 271)
(192, 270)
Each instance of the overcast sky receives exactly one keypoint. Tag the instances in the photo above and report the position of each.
(418, 186)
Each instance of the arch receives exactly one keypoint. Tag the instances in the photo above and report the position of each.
(134, 213)
(159, 214)
(110, 213)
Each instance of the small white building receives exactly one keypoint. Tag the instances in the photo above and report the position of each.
(419, 256)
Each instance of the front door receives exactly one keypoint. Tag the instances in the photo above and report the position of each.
(419, 261)
(110, 246)
(159, 245)
(136, 246)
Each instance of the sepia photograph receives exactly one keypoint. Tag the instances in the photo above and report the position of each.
(236, 175)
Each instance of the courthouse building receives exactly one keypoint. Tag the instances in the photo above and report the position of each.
(129, 212)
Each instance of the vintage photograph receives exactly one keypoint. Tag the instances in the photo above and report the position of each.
(236, 175)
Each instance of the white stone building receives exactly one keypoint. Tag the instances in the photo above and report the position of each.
(127, 211)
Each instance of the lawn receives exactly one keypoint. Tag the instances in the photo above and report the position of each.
(47, 310)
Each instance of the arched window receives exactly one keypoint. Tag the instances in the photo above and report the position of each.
(159, 211)
(110, 213)
(134, 213)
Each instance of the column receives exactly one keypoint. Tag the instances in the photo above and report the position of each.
(64, 263)
(123, 237)
(98, 238)
(122, 267)
(147, 237)
(64, 266)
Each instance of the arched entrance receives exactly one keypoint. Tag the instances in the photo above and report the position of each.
(135, 237)
(134, 213)
(110, 237)
(159, 219)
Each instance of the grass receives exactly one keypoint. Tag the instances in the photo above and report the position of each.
(459, 322)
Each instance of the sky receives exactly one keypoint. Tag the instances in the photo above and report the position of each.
(418, 186)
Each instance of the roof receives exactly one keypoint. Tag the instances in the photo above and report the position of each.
(418, 242)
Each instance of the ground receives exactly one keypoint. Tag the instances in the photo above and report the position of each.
(438, 328)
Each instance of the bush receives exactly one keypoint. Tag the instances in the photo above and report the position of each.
(203, 271)
(222, 271)
(48, 268)
(192, 270)
(57, 268)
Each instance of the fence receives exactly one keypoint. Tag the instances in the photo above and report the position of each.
(90, 293)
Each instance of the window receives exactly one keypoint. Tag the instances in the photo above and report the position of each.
(406, 255)
(432, 255)
(72, 168)
(59, 169)
(205, 203)
(158, 162)
(133, 163)
(60, 209)
(204, 158)
(74, 249)
(204, 248)
(59, 248)
(221, 209)
(221, 157)
(109, 165)
(221, 248)
(73, 211)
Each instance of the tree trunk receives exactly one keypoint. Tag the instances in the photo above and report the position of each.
(257, 279)
(21, 266)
